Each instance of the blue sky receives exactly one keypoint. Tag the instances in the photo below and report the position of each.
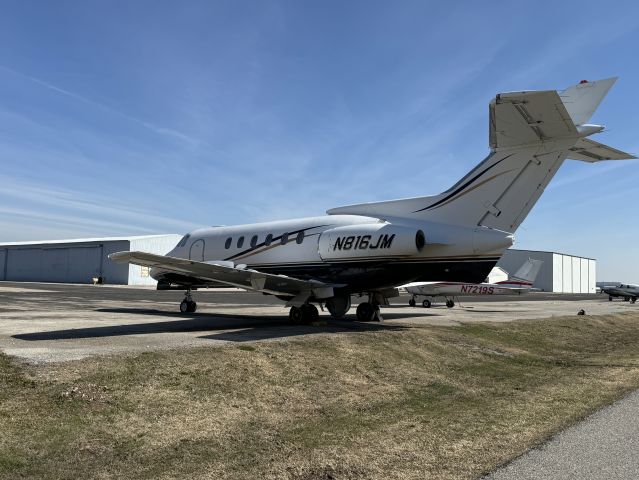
(120, 118)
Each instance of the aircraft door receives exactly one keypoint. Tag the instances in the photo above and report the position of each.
(197, 251)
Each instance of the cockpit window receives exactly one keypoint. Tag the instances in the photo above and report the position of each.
(184, 240)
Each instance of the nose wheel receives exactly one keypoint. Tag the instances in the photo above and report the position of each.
(188, 305)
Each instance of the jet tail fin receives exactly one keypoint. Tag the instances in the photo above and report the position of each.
(528, 272)
(531, 133)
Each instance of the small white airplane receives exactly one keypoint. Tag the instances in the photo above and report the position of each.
(520, 282)
(369, 249)
(627, 291)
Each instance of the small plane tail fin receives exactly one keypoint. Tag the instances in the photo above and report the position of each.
(528, 272)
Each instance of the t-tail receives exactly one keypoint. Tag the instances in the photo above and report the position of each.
(527, 273)
(531, 133)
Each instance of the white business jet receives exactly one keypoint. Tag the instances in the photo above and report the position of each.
(521, 282)
(369, 249)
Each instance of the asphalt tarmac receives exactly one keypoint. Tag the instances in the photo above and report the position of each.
(59, 322)
(603, 446)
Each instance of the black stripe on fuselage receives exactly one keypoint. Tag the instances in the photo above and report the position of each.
(274, 241)
(463, 186)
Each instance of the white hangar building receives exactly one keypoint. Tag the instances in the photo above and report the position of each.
(560, 273)
(79, 261)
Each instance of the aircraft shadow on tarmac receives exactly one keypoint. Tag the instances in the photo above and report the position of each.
(244, 328)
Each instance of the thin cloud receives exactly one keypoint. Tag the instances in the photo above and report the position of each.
(150, 126)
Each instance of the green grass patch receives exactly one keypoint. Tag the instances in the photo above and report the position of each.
(437, 402)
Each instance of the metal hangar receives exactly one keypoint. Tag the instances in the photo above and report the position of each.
(80, 260)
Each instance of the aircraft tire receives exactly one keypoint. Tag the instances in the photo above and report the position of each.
(192, 307)
(295, 315)
(411, 302)
(365, 312)
(626, 299)
(633, 299)
(610, 298)
(426, 303)
(338, 306)
(184, 306)
(310, 313)
(450, 303)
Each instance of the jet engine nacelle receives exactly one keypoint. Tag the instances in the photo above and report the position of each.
(370, 241)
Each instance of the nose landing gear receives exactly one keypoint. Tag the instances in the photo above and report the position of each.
(188, 305)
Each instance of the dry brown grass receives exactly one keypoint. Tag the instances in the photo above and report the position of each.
(438, 402)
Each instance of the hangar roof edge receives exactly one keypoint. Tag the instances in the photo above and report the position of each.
(87, 240)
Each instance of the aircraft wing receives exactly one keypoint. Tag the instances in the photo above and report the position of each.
(227, 273)
(590, 151)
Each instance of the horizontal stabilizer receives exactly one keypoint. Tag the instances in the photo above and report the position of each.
(582, 100)
(526, 118)
(588, 150)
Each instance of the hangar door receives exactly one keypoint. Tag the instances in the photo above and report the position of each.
(71, 264)
(23, 264)
(3, 263)
(84, 263)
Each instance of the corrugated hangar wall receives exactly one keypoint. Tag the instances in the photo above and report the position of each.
(78, 261)
(560, 273)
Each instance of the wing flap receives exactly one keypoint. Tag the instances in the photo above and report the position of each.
(222, 272)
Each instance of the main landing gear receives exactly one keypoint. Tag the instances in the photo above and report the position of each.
(188, 305)
(307, 313)
(427, 303)
(338, 307)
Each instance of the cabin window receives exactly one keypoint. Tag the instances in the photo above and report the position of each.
(284, 238)
(228, 242)
(254, 241)
(300, 238)
(268, 240)
(240, 242)
(184, 239)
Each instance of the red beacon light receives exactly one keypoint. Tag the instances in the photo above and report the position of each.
(583, 81)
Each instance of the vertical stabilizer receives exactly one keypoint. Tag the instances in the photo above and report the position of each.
(531, 133)
(528, 271)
